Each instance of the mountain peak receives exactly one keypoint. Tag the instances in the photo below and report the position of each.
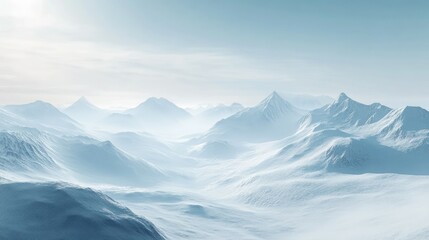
(273, 98)
(413, 114)
(413, 110)
(274, 95)
(82, 103)
(158, 106)
(236, 105)
(406, 119)
(275, 106)
(343, 97)
(348, 112)
(82, 99)
(155, 100)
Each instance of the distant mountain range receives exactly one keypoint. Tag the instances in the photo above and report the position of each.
(152, 158)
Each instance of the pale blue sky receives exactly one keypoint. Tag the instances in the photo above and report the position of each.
(120, 52)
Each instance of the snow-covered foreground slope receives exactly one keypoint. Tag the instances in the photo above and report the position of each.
(343, 171)
(57, 211)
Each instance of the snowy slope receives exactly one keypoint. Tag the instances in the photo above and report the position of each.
(24, 151)
(359, 170)
(404, 120)
(44, 115)
(93, 161)
(29, 153)
(57, 211)
(345, 113)
(271, 119)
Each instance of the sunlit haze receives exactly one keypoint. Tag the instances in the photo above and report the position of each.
(119, 53)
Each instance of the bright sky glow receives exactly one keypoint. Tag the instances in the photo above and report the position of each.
(118, 53)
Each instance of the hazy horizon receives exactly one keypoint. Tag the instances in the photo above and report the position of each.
(200, 52)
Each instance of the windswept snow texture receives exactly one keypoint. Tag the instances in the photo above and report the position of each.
(345, 170)
(55, 211)
(23, 152)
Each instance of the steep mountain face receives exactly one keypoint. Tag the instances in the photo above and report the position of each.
(404, 120)
(55, 211)
(345, 112)
(85, 112)
(271, 119)
(23, 151)
(42, 114)
(6, 120)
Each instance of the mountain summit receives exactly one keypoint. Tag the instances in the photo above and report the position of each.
(274, 107)
(273, 118)
(84, 111)
(404, 120)
(346, 112)
(158, 107)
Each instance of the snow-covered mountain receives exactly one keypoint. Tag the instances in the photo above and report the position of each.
(271, 119)
(44, 115)
(96, 161)
(85, 112)
(58, 211)
(404, 120)
(250, 168)
(158, 109)
(24, 151)
(155, 115)
(31, 154)
(345, 112)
